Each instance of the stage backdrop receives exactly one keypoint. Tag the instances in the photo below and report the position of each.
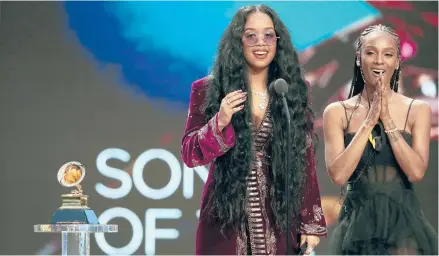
(107, 84)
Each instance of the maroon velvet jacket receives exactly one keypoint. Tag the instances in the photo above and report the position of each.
(202, 143)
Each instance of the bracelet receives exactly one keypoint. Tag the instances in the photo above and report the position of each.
(391, 130)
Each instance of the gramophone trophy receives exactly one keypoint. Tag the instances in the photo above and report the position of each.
(74, 219)
(74, 208)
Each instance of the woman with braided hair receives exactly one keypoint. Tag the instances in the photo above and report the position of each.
(377, 142)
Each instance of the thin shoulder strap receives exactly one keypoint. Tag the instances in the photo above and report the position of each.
(346, 115)
(408, 112)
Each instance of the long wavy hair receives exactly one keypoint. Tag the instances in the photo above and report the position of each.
(357, 85)
(229, 73)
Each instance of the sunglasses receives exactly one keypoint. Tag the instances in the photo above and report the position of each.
(252, 39)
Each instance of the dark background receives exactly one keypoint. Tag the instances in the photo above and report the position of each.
(63, 100)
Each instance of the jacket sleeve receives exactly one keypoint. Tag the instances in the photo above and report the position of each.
(202, 141)
(312, 220)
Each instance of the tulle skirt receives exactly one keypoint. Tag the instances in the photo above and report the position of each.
(383, 220)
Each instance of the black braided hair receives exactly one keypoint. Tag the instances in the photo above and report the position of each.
(357, 85)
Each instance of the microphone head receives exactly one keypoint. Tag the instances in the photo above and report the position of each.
(280, 86)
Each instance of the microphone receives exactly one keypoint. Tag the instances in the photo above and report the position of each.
(281, 88)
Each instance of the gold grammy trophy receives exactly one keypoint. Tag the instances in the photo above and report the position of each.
(74, 208)
(74, 219)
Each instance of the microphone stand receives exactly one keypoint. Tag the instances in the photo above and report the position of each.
(287, 173)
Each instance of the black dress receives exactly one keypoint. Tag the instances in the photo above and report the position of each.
(381, 213)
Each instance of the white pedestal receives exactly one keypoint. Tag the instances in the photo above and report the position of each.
(75, 237)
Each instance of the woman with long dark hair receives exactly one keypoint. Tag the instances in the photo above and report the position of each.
(238, 124)
(378, 142)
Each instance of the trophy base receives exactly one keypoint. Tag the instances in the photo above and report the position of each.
(74, 210)
(75, 237)
(75, 243)
(71, 216)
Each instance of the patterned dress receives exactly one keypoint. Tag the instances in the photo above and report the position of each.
(201, 144)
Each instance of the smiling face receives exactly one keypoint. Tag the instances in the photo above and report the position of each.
(379, 53)
(259, 41)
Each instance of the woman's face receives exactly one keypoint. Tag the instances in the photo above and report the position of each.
(259, 41)
(379, 53)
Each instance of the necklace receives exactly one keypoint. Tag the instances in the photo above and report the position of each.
(263, 96)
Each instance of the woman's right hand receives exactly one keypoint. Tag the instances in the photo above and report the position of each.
(375, 107)
(229, 106)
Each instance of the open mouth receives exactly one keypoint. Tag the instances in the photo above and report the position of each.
(260, 54)
(378, 71)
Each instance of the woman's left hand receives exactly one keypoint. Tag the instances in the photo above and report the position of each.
(311, 242)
